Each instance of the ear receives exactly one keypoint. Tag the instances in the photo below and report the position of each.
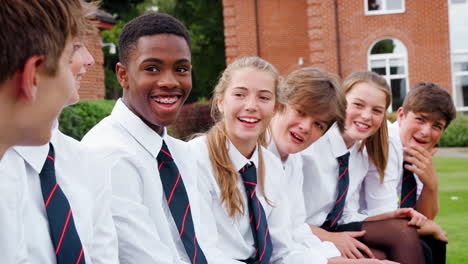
(122, 76)
(400, 114)
(220, 104)
(26, 79)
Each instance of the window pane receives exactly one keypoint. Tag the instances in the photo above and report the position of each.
(460, 62)
(382, 47)
(398, 92)
(397, 66)
(378, 66)
(394, 4)
(374, 5)
(458, 1)
(461, 85)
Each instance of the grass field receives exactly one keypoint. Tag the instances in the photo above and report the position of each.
(453, 215)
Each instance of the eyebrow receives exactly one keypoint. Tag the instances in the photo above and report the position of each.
(162, 62)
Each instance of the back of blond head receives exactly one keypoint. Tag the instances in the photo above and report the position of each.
(226, 175)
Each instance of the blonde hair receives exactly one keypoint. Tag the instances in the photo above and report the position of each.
(315, 92)
(226, 175)
(376, 144)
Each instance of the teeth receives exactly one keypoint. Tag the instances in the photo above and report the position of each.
(248, 120)
(361, 125)
(166, 100)
(296, 136)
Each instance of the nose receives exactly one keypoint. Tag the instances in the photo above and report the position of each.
(305, 125)
(426, 129)
(168, 79)
(366, 113)
(251, 103)
(87, 57)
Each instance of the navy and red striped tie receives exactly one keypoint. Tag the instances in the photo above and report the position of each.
(67, 244)
(343, 185)
(179, 204)
(408, 188)
(258, 222)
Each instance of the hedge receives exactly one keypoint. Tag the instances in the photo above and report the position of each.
(76, 120)
(456, 134)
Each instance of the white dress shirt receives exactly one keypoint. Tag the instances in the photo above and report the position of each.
(12, 206)
(381, 198)
(234, 234)
(87, 188)
(146, 229)
(294, 180)
(321, 178)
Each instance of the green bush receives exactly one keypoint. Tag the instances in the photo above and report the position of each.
(456, 134)
(76, 120)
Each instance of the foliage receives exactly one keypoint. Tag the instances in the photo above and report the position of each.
(76, 120)
(456, 134)
(453, 193)
(193, 118)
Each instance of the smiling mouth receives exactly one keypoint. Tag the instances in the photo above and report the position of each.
(361, 125)
(249, 120)
(166, 99)
(419, 141)
(297, 137)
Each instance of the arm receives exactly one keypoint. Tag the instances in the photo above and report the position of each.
(428, 201)
(431, 228)
(416, 219)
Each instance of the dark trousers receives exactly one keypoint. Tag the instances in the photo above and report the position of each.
(435, 251)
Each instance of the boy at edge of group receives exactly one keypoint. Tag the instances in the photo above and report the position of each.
(156, 203)
(35, 83)
(411, 178)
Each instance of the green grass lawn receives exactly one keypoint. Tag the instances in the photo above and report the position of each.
(453, 215)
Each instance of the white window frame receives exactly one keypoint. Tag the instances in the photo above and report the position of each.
(454, 76)
(387, 58)
(384, 10)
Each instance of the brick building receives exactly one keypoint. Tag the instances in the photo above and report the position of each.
(92, 84)
(405, 41)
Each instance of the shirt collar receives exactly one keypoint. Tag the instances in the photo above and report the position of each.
(35, 156)
(337, 142)
(142, 133)
(238, 160)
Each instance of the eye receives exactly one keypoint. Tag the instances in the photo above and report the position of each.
(377, 111)
(183, 69)
(264, 98)
(151, 69)
(300, 112)
(420, 119)
(438, 127)
(319, 125)
(240, 95)
(358, 105)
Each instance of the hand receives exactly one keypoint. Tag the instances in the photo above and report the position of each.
(416, 218)
(348, 245)
(423, 161)
(431, 228)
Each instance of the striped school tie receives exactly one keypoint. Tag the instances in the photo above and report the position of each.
(408, 188)
(258, 222)
(179, 204)
(67, 244)
(343, 185)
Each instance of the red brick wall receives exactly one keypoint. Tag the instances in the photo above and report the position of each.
(423, 29)
(307, 28)
(92, 84)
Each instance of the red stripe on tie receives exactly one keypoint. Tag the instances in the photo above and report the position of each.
(50, 157)
(406, 197)
(195, 250)
(173, 189)
(265, 243)
(160, 165)
(336, 218)
(79, 257)
(342, 174)
(51, 194)
(250, 183)
(253, 193)
(67, 221)
(183, 220)
(342, 195)
(165, 152)
(259, 215)
(407, 176)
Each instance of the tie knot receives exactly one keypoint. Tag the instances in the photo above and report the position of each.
(164, 153)
(249, 175)
(49, 162)
(343, 160)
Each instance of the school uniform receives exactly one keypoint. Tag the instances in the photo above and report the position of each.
(146, 230)
(12, 206)
(293, 182)
(85, 185)
(235, 236)
(386, 197)
(321, 171)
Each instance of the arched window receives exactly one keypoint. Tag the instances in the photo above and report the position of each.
(388, 57)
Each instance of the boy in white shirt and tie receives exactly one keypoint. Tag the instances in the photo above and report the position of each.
(156, 201)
